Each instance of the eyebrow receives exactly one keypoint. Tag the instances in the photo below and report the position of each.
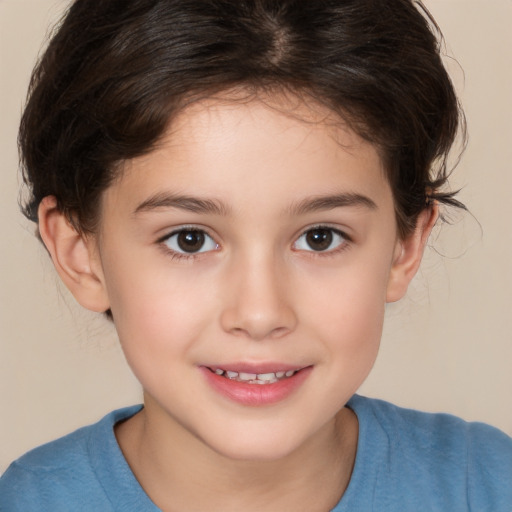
(211, 206)
(188, 203)
(331, 202)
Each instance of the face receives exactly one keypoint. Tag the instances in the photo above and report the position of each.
(247, 262)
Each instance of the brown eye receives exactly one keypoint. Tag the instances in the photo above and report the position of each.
(321, 239)
(190, 241)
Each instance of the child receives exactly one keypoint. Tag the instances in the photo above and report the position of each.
(241, 187)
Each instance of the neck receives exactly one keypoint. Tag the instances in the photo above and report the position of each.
(178, 472)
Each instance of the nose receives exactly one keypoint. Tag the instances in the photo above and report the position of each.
(258, 301)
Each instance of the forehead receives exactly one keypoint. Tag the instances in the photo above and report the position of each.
(266, 151)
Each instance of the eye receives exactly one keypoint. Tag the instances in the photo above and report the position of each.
(320, 239)
(190, 241)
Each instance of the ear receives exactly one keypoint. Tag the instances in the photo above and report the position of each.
(408, 254)
(74, 255)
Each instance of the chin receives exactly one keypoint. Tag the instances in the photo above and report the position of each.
(256, 452)
(258, 444)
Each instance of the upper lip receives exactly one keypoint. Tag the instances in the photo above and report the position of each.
(257, 368)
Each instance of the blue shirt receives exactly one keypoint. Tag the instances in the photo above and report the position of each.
(406, 461)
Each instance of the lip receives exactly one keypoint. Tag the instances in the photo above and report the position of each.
(246, 367)
(255, 394)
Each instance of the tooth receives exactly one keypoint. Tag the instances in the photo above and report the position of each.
(280, 375)
(232, 375)
(246, 376)
(218, 371)
(266, 376)
(289, 373)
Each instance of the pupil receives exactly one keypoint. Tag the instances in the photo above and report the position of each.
(319, 239)
(190, 241)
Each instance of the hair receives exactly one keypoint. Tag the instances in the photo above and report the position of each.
(115, 73)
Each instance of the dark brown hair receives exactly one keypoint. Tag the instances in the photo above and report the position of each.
(116, 71)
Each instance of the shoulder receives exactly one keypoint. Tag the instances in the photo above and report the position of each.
(457, 461)
(58, 475)
(437, 432)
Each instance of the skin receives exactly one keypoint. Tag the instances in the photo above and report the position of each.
(255, 293)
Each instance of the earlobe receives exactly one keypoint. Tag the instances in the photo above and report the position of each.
(74, 256)
(408, 254)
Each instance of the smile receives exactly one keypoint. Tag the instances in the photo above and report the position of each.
(255, 378)
(257, 385)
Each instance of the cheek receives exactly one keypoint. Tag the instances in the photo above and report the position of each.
(346, 309)
(158, 323)
(353, 325)
(352, 295)
(156, 310)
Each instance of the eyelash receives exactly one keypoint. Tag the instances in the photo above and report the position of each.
(343, 245)
(176, 255)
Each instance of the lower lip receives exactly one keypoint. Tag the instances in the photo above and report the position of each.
(256, 394)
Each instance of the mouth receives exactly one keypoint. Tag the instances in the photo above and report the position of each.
(256, 384)
(255, 378)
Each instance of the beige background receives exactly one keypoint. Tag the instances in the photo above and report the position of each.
(446, 347)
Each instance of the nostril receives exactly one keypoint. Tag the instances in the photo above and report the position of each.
(260, 334)
(279, 332)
